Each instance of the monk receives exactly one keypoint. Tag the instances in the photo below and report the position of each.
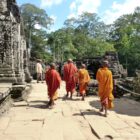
(84, 79)
(53, 80)
(70, 71)
(105, 87)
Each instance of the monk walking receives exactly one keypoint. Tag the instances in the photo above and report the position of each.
(105, 87)
(70, 71)
(84, 79)
(53, 80)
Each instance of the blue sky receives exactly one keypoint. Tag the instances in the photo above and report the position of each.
(60, 10)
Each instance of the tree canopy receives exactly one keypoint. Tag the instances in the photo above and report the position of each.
(126, 39)
(85, 36)
(36, 23)
(81, 37)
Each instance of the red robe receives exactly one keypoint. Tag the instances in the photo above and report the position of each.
(53, 81)
(70, 71)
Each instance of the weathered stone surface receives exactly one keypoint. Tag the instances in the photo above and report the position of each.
(4, 121)
(70, 119)
(12, 44)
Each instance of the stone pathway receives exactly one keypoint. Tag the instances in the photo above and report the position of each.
(4, 89)
(70, 119)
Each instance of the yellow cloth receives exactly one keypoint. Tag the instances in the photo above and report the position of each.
(105, 87)
(84, 78)
(55, 96)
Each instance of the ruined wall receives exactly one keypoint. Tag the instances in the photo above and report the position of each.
(136, 82)
(12, 43)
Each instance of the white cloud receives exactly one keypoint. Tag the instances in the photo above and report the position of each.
(37, 26)
(71, 16)
(77, 7)
(73, 6)
(49, 3)
(54, 18)
(119, 9)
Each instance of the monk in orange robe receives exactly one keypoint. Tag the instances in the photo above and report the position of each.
(53, 80)
(105, 87)
(70, 71)
(84, 78)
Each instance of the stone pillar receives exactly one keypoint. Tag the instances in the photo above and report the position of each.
(7, 73)
(18, 57)
(11, 43)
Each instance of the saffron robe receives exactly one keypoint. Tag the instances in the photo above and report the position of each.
(105, 87)
(53, 80)
(55, 97)
(84, 78)
(70, 71)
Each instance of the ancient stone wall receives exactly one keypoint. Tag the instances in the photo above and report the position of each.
(136, 82)
(12, 43)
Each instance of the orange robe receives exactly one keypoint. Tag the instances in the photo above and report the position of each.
(53, 82)
(84, 78)
(70, 71)
(105, 87)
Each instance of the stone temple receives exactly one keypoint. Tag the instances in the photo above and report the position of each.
(13, 51)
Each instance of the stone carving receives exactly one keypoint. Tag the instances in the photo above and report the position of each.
(3, 6)
(5, 38)
(12, 43)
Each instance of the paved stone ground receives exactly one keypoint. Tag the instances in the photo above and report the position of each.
(70, 119)
(4, 89)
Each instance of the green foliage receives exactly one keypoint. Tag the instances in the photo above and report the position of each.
(85, 36)
(81, 37)
(33, 15)
(36, 38)
(126, 39)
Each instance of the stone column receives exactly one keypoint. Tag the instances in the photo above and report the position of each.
(12, 44)
(7, 73)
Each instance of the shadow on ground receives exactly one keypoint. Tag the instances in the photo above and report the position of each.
(121, 106)
(90, 112)
(39, 101)
(38, 104)
(64, 98)
(41, 106)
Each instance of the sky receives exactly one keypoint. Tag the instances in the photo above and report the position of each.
(60, 10)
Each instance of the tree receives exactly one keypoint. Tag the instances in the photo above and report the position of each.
(36, 38)
(89, 36)
(61, 45)
(126, 39)
(81, 37)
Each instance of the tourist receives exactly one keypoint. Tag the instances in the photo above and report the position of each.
(105, 87)
(53, 82)
(39, 70)
(69, 72)
(84, 78)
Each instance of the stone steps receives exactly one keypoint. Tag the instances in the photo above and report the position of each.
(5, 98)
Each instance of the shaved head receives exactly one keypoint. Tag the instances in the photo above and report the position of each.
(83, 66)
(105, 63)
(70, 60)
(52, 65)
